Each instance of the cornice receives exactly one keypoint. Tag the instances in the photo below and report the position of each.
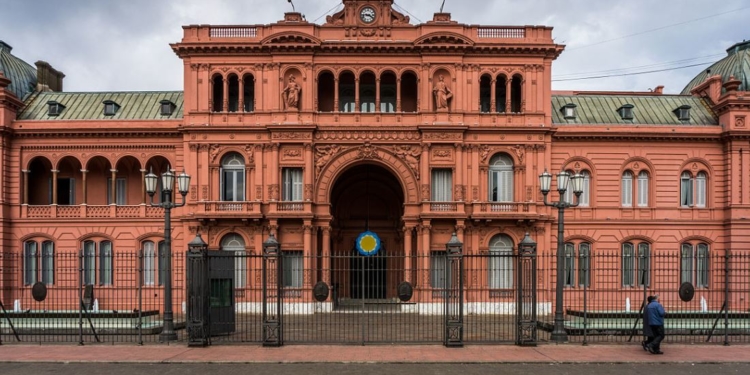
(27, 134)
(636, 137)
(96, 147)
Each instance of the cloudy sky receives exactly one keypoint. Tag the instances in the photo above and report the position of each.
(110, 45)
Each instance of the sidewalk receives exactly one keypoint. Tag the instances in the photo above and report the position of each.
(548, 353)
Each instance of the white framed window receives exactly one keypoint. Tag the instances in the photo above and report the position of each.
(700, 190)
(292, 184)
(120, 185)
(501, 262)
(236, 244)
(686, 190)
(643, 189)
(584, 199)
(569, 272)
(627, 189)
(106, 271)
(442, 185)
(149, 262)
(584, 264)
(233, 178)
(583, 267)
(501, 179)
(636, 266)
(293, 268)
(694, 264)
(89, 262)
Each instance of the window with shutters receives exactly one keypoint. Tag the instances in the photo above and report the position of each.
(636, 263)
(627, 189)
(577, 264)
(501, 178)
(693, 190)
(38, 265)
(235, 243)
(154, 263)
(694, 264)
(98, 262)
(583, 200)
(643, 189)
(442, 185)
(293, 269)
(501, 262)
(292, 184)
(438, 265)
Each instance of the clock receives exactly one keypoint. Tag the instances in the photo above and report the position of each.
(367, 15)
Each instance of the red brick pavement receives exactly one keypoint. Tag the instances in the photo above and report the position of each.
(567, 353)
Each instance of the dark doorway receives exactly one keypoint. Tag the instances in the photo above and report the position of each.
(368, 276)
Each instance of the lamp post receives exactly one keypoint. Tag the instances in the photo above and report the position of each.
(545, 180)
(167, 185)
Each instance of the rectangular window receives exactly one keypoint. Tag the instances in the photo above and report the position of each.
(105, 263)
(292, 184)
(628, 264)
(438, 269)
(643, 190)
(89, 263)
(501, 186)
(233, 185)
(120, 185)
(569, 272)
(584, 199)
(501, 269)
(701, 271)
(30, 263)
(644, 264)
(584, 264)
(627, 190)
(686, 190)
(149, 261)
(442, 185)
(240, 268)
(293, 269)
(48, 262)
(686, 263)
(700, 190)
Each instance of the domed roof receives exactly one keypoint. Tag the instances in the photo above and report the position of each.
(736, 64)
(21, 75)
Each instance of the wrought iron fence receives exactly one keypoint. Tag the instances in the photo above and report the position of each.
(387, 298)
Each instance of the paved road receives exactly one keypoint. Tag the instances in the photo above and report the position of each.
(366, 369)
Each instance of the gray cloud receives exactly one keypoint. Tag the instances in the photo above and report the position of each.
(113, 45)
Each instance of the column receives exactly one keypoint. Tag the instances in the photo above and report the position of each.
(424, 256)
(377, 95)
(275, 170)
(407, 253)
(356, 95)
(259, 172)
(460, 173)
(425, 171)
(307, 253)
(398, 95)
(113, 186)
(143, 186)
(84, 172)
(493, 95)
(336, 95)
(326, 253)
(508, 94)
(241, 96)
(54, 186)
(225, 105)
(25, 186)
(308, 174)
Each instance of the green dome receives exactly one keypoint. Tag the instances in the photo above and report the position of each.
(21, 75)
(736, 64)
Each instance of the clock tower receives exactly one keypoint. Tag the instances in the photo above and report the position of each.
(367, 13)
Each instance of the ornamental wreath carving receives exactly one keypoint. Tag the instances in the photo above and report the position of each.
(411, 155)
(367, 151)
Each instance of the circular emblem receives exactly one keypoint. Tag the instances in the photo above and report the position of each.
(39, 291)
(320, 291)
(405, 291)
(687, 291)
(368, 243)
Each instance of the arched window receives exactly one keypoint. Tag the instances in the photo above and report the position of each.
(584, 199)
(643, 189)
(100, 253)
(570, 265)
(501, 262)
(700, 190)
(627, 189)
(636, 270)
(234, 242)
(234, 93)
(218, 93)
(485, 93)
(501, 94)
(501, 178)
(248, 93)
(686, 190)
(693, 190)
(346, 92)
(584, 264)
(367, 92)
(233, 178)
(388, 92)
(409, 92)
(694, 264)
(326, 92)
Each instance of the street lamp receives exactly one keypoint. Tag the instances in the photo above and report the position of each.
(167, 184)
(545, 179)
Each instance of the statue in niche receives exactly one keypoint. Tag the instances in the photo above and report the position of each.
(443, 94)
(290, 95)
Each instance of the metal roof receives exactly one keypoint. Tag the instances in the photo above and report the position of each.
(647, 110)
(737, 64)
(21, 75)
(89, 105)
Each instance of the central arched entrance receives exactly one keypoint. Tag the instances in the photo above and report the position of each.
(366, 197)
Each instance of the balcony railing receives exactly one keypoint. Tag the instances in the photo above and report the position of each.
(233, 32)
(504, 207)
(290, 206)
(443, 207)
(90, 211)
(223, 206)
(501, 32)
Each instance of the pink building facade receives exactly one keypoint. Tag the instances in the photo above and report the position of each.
(315, 133)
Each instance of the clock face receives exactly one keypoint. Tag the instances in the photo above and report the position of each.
(367, 15)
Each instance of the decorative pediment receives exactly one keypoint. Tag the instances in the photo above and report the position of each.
(290, 37)
(443, 38)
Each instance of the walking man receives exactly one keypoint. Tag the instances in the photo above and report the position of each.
(646, 326)
(656, 313)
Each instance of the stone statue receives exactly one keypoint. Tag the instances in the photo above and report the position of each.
(291, 94)
(443, 94)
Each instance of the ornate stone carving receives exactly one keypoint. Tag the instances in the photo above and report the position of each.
(484, 152)
(308, 192)
(249, 154)
(292, 153)
(273, 192)
(442, 93)
(214, 152)
(425, 192)
(519, 150)
(290, 95)
(459, 194)
(323, 155)
(411, 155)
(370, 135)
(291, 135)
(442, 153)
(475, 192)
(367, 151)
(259, 193)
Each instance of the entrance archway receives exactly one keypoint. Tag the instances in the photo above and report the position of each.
(367, 197)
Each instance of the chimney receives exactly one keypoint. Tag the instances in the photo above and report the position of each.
(48, 78)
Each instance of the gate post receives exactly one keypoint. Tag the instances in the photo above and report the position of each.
(198, 319)
(454, 293)
(272, 296)
(526, 318)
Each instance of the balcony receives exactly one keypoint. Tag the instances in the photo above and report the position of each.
(219, 209)
(290, 209)
(504, 210)
(84, 211)
(443, 209)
